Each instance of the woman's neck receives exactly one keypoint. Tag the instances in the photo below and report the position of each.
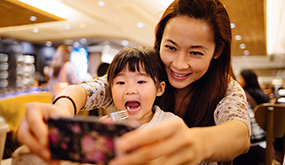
(182, 99)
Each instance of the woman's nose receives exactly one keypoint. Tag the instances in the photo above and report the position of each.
(180, 62)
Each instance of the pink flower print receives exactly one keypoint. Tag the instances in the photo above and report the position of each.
(64, 146)
(109, 143)
(98, 156)
(75, 128)
(87, 143)
(53, 135)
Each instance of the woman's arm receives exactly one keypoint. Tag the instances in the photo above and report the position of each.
(175, 143)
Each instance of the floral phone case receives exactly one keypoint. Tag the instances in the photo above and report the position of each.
(84, 139)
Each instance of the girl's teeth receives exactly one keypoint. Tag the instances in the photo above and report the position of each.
(132, 109)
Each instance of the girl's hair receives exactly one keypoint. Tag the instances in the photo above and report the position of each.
(62, 55)
(207, 91)
(137, 59)
(250, 78)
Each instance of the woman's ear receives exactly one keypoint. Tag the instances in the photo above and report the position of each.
(160, 88)
(219, 52)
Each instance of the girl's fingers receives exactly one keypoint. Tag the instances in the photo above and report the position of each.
(36, 124)
(26, 137)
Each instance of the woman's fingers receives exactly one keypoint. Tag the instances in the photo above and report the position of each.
(137, 138)
(145, 146)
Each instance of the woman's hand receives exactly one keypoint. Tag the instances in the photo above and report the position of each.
(33, 130)
(172, 142)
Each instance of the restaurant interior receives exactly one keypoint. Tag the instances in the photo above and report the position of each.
(95, 30)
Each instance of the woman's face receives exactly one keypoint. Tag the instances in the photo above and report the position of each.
(186, 49)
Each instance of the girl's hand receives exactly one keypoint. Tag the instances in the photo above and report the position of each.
(33, 130)
(172, 142)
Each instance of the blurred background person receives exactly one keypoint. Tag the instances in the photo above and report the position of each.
(61, 70)
(255, 95)
(102, 69)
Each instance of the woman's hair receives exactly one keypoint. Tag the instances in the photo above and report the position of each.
(207, 91)
(250, 78)
(137, 59)
(62, 55)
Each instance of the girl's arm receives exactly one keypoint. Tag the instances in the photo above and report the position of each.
(33, 130)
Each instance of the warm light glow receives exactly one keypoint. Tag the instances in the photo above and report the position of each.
(51, 6)
(277, 81)
(269, 27)
(166, 2)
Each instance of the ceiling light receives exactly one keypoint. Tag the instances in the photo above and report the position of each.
(246, 52)
(242, 46)
(35, 30)
(83, 25)
(140, 24)
(233, 25)
(125, 43)
(83, 41)
(48, 43)
(101, 3)
(33, 18)
(238, 37)
(76, 44)
(67, 26)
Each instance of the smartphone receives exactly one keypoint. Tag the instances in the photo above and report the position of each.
(84, 139)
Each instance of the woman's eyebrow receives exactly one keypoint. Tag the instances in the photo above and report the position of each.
(169, 40)
(192, 46)
(198, 46)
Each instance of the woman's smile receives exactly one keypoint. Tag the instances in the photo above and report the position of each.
(179, 76)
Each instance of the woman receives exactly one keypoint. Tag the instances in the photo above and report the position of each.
(61, 70)
(193, 38)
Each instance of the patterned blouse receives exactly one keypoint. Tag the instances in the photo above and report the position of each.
(232, 107)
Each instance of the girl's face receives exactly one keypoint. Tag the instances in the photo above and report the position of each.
(136, 92)
(187, 48)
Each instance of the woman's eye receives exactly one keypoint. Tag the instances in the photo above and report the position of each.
(170, 47)
(141, 82)
(196, 53)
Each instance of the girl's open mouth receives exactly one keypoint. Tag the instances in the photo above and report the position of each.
(132, 106)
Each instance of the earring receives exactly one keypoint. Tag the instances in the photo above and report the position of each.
(215, 57)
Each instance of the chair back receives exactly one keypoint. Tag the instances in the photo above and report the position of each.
(271, 117)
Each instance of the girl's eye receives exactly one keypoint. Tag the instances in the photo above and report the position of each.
(141, 82)
(196, 53)
(170, 47)
(120, 83)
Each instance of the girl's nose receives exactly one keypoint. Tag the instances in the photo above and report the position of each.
(131, 90)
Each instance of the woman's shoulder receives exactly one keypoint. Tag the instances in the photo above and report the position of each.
(234, 87)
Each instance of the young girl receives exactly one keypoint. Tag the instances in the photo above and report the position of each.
(136, 77)
(193, 38)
